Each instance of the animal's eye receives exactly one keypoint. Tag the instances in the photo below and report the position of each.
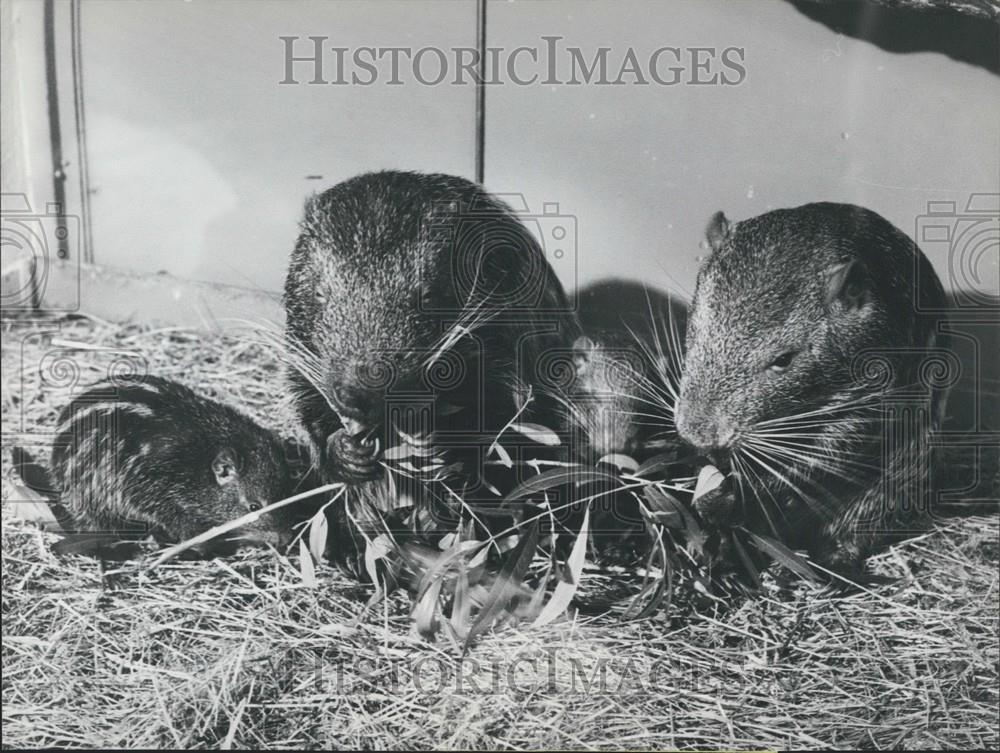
(253, 505)
(782, 362)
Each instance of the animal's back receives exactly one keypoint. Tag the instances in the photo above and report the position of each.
(135, 456)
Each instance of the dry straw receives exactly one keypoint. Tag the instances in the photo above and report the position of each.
(243, 652)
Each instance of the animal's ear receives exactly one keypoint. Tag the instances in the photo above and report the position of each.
(224, 467)
(583, 350)
(718, 230)
(847, 283)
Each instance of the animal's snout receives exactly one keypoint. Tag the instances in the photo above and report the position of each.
(709, 432)
(359, 411)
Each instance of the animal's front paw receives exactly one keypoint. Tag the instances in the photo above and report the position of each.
(352, 461)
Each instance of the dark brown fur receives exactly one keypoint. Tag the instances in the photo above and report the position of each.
(627, 369)
(398, 283)
(805, 341)
(151, 456)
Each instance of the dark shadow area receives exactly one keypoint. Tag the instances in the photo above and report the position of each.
(968, 460)
(961, 37)
(616, 306)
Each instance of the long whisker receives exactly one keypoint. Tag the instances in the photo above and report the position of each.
(837, 466)
(291, 351)
(870, 400)
(808, 441)
(761, 502)
(759, 456)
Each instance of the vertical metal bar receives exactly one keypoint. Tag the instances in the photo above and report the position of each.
(481, 91)
(86, 241)
(55, 131)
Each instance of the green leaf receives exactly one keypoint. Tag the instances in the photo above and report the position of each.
(666, 508)
(617, 459)
(376, 549)
(508, 583)
(657, 463)
(539, 434)
(559, 477)
(317, 535)
(566, 590)
(661, 587)
(399, 452)
(306, 567)
(432, 565)
(660, 462)
(709, 478)
(461, 603)
(504, 456)
(784, 556)
(424, 614)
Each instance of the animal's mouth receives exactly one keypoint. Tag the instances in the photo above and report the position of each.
(721, 459)
(355, 459)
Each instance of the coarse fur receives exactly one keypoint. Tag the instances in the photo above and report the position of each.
(807, 369)
(421, 291)
(626, 370)
(150, 456)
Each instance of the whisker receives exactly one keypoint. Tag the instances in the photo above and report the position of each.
(836, 466)
(762, 502)
(759, 456)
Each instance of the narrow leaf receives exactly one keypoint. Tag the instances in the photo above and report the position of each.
(306, 567)
(661, 587)
(661, 462)
(461, 604)
(558, 477)
(250, 517)
(424, 614)
(508, 583)
(565, 591)
(504, 456)
(317, 535)
(539, 434)
(785, 556)
(666, 508)
(399, 452)
(619, 460)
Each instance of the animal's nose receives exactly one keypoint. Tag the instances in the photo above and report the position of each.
(708, 433)
(359, 411)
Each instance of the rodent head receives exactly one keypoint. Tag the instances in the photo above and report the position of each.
(784, 304)
(610, 395)
(391, 286)
(247, 479)
(362, 281)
